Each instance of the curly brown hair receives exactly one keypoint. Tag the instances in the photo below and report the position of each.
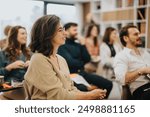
(13, 47)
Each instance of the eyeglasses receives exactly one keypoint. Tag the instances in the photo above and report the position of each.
(61, 29)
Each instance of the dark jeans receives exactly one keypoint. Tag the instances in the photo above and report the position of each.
(142, 93)
(98, 81)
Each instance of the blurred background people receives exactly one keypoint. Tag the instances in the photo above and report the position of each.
(88, 21)
(14, 59)
(108, 50)
(92, 44)
(3, 42)
(77, 56)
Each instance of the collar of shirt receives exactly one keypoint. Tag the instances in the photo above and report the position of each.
(131, 51)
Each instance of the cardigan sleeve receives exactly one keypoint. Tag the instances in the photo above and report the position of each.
(42, 75)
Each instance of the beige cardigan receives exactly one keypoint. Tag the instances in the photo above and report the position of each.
(45, 81)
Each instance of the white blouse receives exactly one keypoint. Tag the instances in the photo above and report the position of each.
(105, 53)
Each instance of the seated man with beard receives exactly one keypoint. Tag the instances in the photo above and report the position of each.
(132, 64)
(77, 56)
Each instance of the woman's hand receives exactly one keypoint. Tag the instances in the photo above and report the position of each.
(92, 87)
(98, 94)
(26, 64)
(15, 65)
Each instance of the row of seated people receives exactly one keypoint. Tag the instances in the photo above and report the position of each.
(102, 51)
(107, 49)
(14, 61)
(47, 76)
(21, 65)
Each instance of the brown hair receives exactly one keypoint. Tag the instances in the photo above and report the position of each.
(7, 29)
(89, 29)
(124, 32)
(107, 34)
(13, 46)
(42, 33)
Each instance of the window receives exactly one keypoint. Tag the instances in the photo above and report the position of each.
(19, 12)
(67, 13)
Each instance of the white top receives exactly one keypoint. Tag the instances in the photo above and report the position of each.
(105, 53)
(128, 61)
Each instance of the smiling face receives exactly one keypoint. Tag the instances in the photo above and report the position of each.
(60, 36)
(133, 38)
(72, 32)
(94, 31)
(22, 36)
(113, 36)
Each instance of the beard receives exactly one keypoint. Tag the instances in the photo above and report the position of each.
(74, 37)
(137, 42)
(139, 45)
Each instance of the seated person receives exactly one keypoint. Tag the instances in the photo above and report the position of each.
(92, 44)
(132, 64)
(108, 50)
(14, 59)
(3, 42)
(48, 76)
(77, 56)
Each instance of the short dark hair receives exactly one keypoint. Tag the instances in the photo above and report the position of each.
(42, 33)
(68, 25)
(106, 37)
(124, 32)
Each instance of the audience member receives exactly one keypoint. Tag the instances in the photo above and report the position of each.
(14, 59)
(3, 42)
(92, 44)
(48, 75)
(110, 46)
(132, 64)
(77, 56)
(108, 49)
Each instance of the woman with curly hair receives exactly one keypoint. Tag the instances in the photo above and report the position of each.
(14, 59)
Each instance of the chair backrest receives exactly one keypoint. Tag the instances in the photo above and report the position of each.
(27, 92)
(126, 93)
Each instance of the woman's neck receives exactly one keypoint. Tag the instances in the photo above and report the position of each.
(54, 52)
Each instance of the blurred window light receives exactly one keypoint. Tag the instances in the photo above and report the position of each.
(19, 12)
(67, 13)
